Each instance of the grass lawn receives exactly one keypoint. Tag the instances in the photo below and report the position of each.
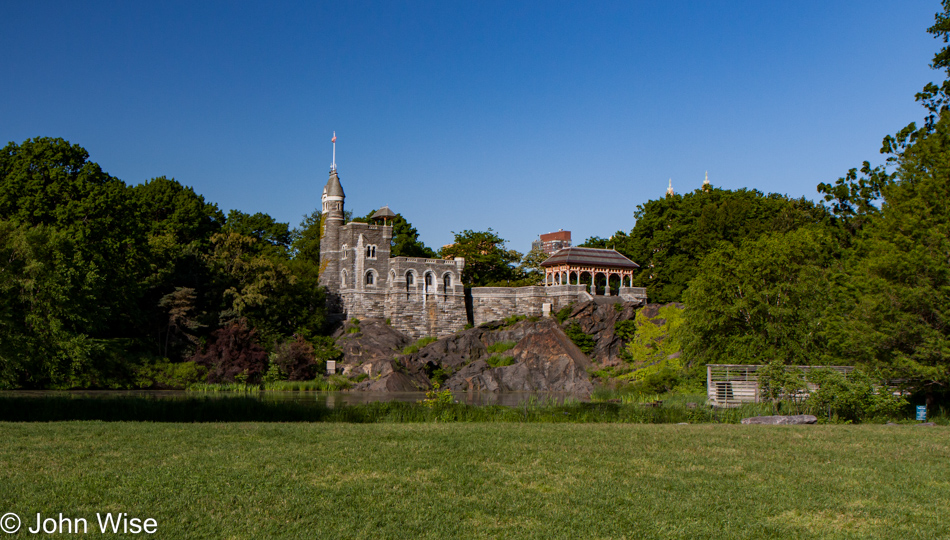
(484, 480)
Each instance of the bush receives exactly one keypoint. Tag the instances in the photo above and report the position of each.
(414, 348)
(436, 398)
(501, 346)
(511, 321)
(324, 350)
(165, 374)
(233, 355)
(583, 341)
(625, 330)
(855, 397)
(564, 313)
(496, 360)
(296, 360)
(776, 382)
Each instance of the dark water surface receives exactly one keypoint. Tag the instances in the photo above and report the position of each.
(329, 399)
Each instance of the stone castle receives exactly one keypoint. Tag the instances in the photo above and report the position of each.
(426, 297)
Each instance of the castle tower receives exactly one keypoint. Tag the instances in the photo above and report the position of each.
(330, 254)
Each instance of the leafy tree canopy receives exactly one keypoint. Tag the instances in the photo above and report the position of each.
(487, 262)
(274, 237)
(674, 233)
(762, 301)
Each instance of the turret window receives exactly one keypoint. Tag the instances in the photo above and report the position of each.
(371, 252)
(343, 251)
(371, 278)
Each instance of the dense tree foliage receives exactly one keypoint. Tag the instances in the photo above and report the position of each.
(762, 301)
(487, 262)
(106, 285)
(673, 234)
(869, 287)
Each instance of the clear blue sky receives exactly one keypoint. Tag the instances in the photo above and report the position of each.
(526, 117)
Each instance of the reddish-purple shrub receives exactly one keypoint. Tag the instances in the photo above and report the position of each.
(233, 351)
(296, 360)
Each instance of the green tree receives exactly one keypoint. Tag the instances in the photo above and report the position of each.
(49, 182)
(487, 262)
(657, 339)
(673, 234)
(306, 238)
(900, 321)
(274, 238)
(43, 315)
(764, 301)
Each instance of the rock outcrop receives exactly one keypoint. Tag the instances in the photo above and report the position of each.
(599, 320)
(544, 359)
(794, 419)
(370, 347)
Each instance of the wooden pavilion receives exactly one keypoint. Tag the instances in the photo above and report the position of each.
(569, 266)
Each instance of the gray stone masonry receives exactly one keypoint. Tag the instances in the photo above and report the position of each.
(420, 297)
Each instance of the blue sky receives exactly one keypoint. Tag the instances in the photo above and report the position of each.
(526, 117)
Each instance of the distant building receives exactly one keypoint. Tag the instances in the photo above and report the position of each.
(551, 242)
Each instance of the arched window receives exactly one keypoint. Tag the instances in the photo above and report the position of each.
(343, 279)
(371, 278)
(392, 278)
(343, 251)
(446, 285)
(429, 283)
(370, 252)
(410, 281)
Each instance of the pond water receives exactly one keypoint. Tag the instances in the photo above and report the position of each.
(329, 399)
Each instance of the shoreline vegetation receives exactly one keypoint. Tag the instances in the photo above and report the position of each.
(665, 409)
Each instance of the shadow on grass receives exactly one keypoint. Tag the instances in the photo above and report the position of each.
(247, 409)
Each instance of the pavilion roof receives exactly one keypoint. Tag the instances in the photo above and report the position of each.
(384, 212)
(580, 256)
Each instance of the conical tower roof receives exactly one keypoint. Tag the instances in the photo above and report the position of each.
(334, 189)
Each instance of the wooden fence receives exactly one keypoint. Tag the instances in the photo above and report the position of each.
(730, 385)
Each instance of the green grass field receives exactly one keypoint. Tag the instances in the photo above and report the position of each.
(480, 480)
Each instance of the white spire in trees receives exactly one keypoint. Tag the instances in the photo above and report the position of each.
(706, 184)
(669, 190)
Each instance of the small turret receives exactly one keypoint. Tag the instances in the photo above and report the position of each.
(333, 199)
(384, 214)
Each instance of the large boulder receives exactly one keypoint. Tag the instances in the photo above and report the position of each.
(599, 320)
(395, 381)
(370, 346)
(454, 351)
(545, 359)
(794, 419)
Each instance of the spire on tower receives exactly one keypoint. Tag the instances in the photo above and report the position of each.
(333, 140)
(706, 184)
(669, 190)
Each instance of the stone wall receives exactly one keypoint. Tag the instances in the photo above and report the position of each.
(494, 303)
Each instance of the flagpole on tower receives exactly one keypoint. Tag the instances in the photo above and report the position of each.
(333, 140)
